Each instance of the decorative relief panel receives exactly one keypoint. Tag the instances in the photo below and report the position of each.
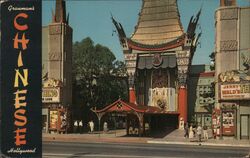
(183, 54)
(183, 61)
(55, 29)
(55, 38)
(130, 56)
(228, 14)
(228, 45)
(130, 64)
(55, 56)
(182, 69)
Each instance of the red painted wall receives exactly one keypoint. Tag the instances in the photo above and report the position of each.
(132, 97)
(182, 99)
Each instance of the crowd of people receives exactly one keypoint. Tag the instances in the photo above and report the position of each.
(90, 126)
(191, 131)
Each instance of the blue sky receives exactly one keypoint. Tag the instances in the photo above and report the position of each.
(91, 18)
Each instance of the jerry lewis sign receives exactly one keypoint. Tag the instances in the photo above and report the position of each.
(239, 91)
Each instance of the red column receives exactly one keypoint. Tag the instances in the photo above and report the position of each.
(132, 97)
(182, 98)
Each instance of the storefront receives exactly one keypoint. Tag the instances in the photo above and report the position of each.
(235, 108)
(55, 115)
(58, 120)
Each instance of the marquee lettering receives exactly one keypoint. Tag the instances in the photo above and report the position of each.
(19, 98)
(20, 139)
(18, 26)
(23, 41)
(20, 83)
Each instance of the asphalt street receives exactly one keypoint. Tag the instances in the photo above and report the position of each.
(129, 150)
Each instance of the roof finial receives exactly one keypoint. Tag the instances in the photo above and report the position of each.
(60, 12)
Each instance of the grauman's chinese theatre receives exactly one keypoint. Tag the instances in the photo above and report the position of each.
(158, 56)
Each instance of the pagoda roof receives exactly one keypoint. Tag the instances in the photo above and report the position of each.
(159, 23)
(122, 106)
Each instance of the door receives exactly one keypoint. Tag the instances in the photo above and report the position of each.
(244, 126)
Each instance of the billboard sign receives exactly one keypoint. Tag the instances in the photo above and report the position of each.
(239, 91)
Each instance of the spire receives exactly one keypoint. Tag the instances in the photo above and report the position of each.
(60, 12)
(120, 30)
(224, 3)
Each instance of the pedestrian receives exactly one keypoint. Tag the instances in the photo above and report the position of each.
(80, 127)
(199, 132)
(191, 132)
(91, 125)
(75, 126)
(105, 127)
(205, 133)
(186, 131)
(214, 132)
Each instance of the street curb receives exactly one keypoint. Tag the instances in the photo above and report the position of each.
(95, 140)
(196, 143)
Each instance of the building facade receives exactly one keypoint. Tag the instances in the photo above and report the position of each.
(201, 95)
(232, 75)
(57, 71)
(158, 56)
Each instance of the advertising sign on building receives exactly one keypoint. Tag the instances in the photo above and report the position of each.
(228, 126)
(51, 95)
(234, 91)
(53, 119)
(21, 79)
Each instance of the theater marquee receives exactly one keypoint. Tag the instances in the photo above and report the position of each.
(238, 91)
(51, 95)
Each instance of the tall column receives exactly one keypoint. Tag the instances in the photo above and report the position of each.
(132, 96)
(131, 60)
(183, 62)
(182, 99)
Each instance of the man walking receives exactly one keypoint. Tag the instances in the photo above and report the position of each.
(205, 133)
(80, 127)
(199, 131)
(75, 126)
(186, 130)
(91, 125)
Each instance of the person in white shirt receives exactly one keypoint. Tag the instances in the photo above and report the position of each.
(205, 133)
(80, 126)
(91, 125)
(199, 132)
(191, 132)
(75, 126)
(105, 127)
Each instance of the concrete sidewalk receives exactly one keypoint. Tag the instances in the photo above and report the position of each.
(111, 137)
(175, 137)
